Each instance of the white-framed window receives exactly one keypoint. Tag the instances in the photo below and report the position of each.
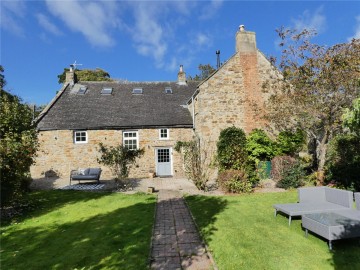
(131, 140)
(80, 137)
(164, 134)
(106, 91)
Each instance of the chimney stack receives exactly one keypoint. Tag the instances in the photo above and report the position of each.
(245, 41)
(181, 76)
(70, 76)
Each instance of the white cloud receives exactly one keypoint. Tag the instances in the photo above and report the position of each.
(210, 10)
(311, 21)
(202, 40)
(47, 25)
(11, 12)
(148, 33)
(92, 19)
(357, 29)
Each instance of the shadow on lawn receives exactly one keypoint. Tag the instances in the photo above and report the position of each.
(116, 240)
(204, 210)
(37, 204)
(346, 252)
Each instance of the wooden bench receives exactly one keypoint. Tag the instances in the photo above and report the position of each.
(85, 174)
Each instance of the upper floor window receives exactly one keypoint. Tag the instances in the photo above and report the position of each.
(80, 137)
(106, 91)
(168, 90)
(164, 134)
(131, 140)
(82, 90)
(137, 91)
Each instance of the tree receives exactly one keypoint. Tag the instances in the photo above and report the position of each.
(315, 85)
(351, 117)
(87, 75)
(119, 159)
(18, 146)
(2, 78)
(205, 72)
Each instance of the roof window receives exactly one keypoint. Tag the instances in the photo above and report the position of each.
(82, 90)
(106, 91)
(168, 90)
(137, 91)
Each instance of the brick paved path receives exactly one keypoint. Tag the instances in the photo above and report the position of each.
(176, 243)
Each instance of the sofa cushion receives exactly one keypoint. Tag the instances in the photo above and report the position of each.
(84, 171)
(94, 171)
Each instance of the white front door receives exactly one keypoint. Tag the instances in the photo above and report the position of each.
(163, 162)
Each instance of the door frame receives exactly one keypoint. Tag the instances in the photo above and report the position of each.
(170, 156)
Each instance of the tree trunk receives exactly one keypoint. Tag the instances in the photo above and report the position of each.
(321, 156)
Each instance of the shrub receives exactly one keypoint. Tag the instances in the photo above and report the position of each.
(279, 165)
(193, 164)
(343, 162)
(259, 146)
(289, 143)
(292, 177)
(234, 181)
(231, 149)
(119, 159)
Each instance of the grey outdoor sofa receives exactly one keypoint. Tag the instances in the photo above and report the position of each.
(316, 200)
(85, 174)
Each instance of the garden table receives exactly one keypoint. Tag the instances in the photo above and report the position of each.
(331, 226)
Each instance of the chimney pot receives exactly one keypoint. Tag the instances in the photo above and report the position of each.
(242, 28)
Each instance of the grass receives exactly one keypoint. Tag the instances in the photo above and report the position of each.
(242, 233)
(80, 230)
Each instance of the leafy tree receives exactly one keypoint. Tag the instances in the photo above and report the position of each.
(2, 78)
(18, 146)
(290, 143)
(231, 149)
(87, 75)
(205, 72)
(119, 159)
(315, 85)
(343, 161)
(351, 117)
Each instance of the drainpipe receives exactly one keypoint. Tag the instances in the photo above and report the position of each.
(193, 111)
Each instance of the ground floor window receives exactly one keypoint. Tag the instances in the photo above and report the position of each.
(131, 140)
(80, 137)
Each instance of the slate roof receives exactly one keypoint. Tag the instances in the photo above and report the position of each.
(120, 110)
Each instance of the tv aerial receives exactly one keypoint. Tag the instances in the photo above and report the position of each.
(73, 66)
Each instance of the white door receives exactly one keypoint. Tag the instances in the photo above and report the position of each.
(163, 162)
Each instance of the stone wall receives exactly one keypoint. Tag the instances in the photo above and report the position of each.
(60, 154)
(232, 96)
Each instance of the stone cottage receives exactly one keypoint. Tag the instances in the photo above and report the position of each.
(152, 115)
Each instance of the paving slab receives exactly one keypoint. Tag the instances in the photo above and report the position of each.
(176, 243)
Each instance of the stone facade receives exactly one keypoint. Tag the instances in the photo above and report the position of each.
(232, 96)
(59, 153)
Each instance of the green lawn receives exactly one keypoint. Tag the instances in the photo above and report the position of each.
(242, 233)
(80, 230)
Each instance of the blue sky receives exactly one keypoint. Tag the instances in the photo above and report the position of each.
(147, 40)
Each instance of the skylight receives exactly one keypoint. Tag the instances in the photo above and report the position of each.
(168, 90)
(106, 91)
(137, 91)
(82, 90)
